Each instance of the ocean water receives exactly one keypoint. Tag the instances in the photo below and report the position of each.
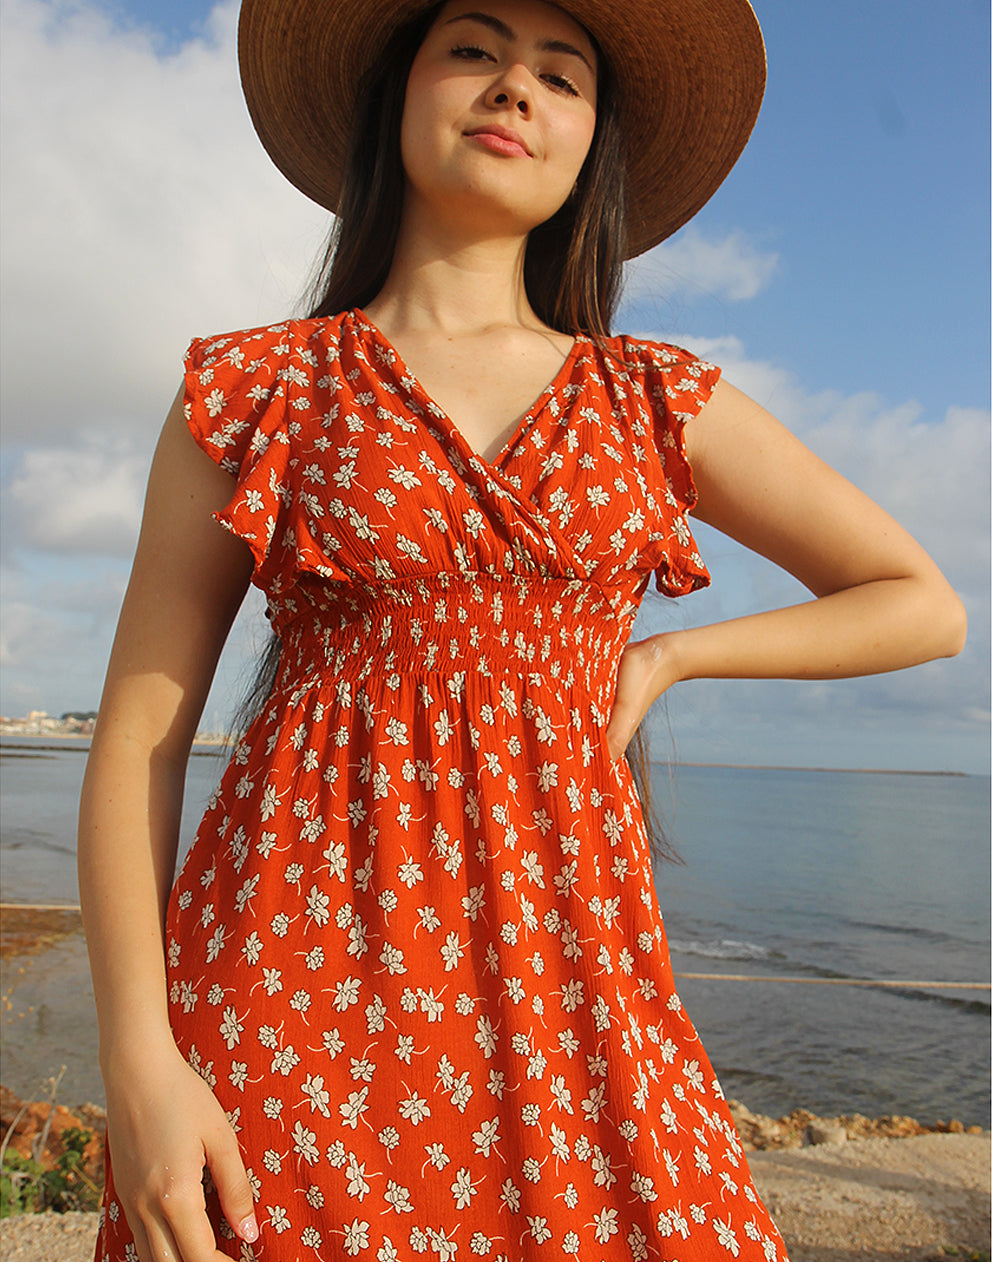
(787, 874)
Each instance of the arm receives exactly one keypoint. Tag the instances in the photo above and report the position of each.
(881, 603)
(188, 580)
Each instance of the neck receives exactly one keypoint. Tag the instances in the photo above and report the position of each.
(453, 282)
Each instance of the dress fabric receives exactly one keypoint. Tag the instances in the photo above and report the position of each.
(416, 948)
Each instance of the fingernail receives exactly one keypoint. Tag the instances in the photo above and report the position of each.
(249, 1230)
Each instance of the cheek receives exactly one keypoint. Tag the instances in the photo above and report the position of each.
(425, 109)
(576, 137)
(415, 139)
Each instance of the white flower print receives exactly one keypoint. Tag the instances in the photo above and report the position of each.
(510, 1195)
(462, 1189)
(278, 1219)
(355, 1174)
(304, 1143)
(346, 993)
(356, 1236)
(433, 752)
(352, 1108)
(726, 1236)
(436, 1155)
(398, 1197)
(414, 1109)
(318, 1097)
(539, 1229)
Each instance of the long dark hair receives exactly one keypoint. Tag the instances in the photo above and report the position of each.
(573, 265)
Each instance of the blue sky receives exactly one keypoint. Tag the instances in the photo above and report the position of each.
(841, 276)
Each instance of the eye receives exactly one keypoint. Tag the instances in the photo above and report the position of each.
(472, 52)
(561, 83)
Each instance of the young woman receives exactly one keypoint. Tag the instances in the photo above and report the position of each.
(410, 993)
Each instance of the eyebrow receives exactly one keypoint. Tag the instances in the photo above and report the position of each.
(507, 33)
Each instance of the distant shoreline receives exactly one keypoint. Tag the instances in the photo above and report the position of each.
(215, 744)
(844, 771)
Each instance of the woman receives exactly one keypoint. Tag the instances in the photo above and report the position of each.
(410, 992)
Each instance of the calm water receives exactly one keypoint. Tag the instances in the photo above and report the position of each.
(788, 874)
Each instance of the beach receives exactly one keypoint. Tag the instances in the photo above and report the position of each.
(840, 1188)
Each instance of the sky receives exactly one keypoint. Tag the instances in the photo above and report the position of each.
(840, 276)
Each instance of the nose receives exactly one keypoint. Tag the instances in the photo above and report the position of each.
(511, 90)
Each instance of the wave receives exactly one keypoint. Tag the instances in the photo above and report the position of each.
(721, 949)
(921, 932)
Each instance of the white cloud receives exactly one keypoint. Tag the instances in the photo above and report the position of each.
(72, 500)
(138, 210)
(730, 267)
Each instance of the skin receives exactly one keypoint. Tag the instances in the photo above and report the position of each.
(455, 308)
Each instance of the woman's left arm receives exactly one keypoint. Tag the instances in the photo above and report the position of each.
(881, 603)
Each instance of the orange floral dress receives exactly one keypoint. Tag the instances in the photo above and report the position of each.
(416, 948)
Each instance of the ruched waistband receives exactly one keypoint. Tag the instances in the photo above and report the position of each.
(564, 629)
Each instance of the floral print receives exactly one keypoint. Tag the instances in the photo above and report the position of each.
(416, 949)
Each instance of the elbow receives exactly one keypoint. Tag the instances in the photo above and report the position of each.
(954, 625)
(943, 619)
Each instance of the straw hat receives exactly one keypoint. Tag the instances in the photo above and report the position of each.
(692, 74)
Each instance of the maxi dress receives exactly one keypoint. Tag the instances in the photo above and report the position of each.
(416, 949)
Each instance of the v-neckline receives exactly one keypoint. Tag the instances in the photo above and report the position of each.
(414, 386)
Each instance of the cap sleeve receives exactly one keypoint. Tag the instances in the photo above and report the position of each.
(235, 407)
(677, 386)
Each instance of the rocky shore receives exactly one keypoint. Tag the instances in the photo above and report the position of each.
(883, 1189)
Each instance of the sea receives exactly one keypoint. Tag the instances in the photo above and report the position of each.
(788, 877)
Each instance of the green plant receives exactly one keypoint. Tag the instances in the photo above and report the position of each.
(19, 1181)
(26, 1187)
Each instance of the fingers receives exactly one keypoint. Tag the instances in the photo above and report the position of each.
(177, 1230)
(637, 687)
(231, 1182)
(621, 728)
(190, 1231)
(141, 1244)
(161, 1244)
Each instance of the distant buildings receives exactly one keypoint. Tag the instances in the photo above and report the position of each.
(41, 723)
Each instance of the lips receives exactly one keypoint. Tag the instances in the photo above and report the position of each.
(500, 139)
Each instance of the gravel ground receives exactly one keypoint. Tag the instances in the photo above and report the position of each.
(48, 1238)
(880, 1200)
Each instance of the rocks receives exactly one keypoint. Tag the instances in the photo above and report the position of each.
(817, 1133)
(800, 1128)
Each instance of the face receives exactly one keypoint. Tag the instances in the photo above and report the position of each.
(499, 113)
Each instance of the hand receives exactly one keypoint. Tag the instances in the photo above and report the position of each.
(165, 1125)
(647, 669)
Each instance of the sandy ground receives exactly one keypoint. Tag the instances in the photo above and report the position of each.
(882, 1200)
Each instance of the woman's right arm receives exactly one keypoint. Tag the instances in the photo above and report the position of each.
(187, 583)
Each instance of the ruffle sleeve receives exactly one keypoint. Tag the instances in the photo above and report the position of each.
(242, 407)
(676, 386)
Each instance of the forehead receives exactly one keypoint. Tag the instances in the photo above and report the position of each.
(526, 18)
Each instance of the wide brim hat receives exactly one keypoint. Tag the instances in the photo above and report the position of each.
(691, 75)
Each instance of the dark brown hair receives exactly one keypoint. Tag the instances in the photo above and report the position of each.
(573, 266)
